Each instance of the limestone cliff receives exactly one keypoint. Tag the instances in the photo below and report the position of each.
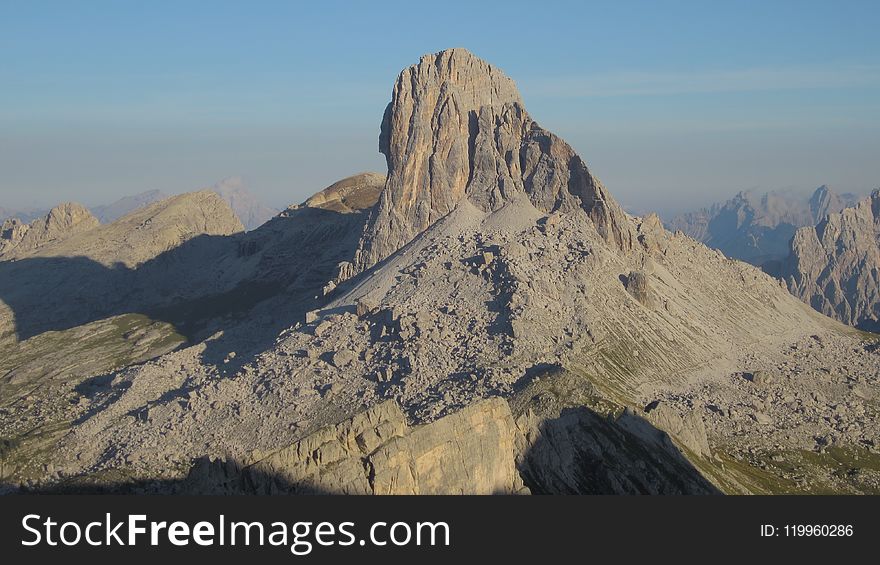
(835, 267)
(456, 127)
(376, 452)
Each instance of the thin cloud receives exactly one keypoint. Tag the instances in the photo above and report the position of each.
(636, 83)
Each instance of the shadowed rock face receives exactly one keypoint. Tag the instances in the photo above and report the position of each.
(456, 127)
(835, 267)
(478, 450)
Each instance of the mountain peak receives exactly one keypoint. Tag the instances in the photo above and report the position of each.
(450, 74)
(825, 201)
(456, 128)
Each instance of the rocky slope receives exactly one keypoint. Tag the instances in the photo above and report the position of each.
(835, 266)
(617, 357)
(757, 228)
(357, 192)
(163, 276)
(148, 232)
(67, 271)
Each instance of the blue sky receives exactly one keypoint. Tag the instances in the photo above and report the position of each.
(672, 104)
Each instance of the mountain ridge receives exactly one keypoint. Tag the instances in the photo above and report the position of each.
(756, 228)
(834, 266)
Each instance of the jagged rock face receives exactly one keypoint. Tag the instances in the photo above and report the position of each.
(826, 201)
(60, 223)
(11, 233)
(835, 267)
(456, 127)
(757, 228)
(376, 452)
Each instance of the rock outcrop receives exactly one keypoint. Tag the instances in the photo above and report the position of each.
(835, 266)
(826, 201)
(62, 222)
(456, 128)
(376, 452)
(639, 287)
(357, 192)
(757, 228)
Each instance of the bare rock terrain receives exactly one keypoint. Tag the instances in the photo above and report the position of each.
(66, 220)
(377, 452)
(455, 128)
(489, 320)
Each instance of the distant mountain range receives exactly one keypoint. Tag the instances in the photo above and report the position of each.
(835, 265)
(826, 248)
(757, 228)
(25, 215)
(110, 212)
(246, 206)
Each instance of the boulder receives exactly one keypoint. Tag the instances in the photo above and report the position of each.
(638, 287)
